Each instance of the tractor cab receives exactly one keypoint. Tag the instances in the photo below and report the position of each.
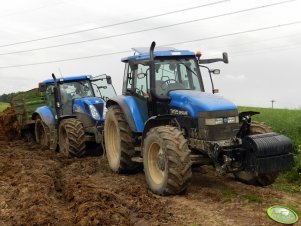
(68, 96)
(172, 70)
(159, 80)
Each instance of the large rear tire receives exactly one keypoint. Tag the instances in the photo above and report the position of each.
(118, 142)
(262, 179)
(166, 159)
(72, 137)
(42, 133)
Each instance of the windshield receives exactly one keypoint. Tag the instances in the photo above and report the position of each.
(74, 90)
(177, 74)
(78, 89)
(103, 89)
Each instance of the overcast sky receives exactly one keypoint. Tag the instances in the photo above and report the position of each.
(264, 65)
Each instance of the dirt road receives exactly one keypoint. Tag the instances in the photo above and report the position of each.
(41, 187)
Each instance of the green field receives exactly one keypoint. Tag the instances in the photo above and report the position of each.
(3, 106)
(287, 122)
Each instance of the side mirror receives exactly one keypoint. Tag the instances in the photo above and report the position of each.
(225, 58)
(141, 75)
(109, 80)
(42, 87)
(216, 71)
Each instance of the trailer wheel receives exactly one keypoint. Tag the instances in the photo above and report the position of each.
(262, 179)
(118, 142)
(72, 137)
(166, 159)
(42, 133)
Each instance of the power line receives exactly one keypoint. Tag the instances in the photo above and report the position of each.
(144, 30)
(115, 24)
(266, 50)
(70, 59)
(33, 9)
(183, 42)
(237, 33)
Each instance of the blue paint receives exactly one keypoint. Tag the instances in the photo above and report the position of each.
(165, 53)
(46, 115)
(196, 101)
(68, 79)
(79, 106)
(138, 111)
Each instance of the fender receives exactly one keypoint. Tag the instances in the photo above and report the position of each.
(46, 115)
(49, 119)
(135, 111)
(155, 121)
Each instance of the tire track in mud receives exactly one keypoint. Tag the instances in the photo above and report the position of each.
(41, 187)
(45, 188)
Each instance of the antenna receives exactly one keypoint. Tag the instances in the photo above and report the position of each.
(273, 101)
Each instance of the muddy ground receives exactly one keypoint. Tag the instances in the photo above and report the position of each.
(42, 187)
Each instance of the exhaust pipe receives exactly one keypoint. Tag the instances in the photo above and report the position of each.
(151, 51)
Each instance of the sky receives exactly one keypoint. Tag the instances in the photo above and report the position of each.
(263, 44)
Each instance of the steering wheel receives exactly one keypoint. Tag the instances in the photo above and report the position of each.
(168, 81)
(139, 91)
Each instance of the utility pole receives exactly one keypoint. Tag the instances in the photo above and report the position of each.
(273, 101)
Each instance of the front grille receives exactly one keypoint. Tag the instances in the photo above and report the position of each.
(217, 132)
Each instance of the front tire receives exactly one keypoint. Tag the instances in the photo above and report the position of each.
(166, 159)
(72, 137)
(262, 179)
(42, 133)
(118, 142)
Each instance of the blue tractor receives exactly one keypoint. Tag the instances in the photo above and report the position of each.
(73, 113)
(166, 123)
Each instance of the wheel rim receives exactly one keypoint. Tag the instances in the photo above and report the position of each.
(113, 144)
(156, 163)
(64, 142)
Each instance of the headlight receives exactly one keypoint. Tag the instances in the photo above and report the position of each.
(233, 119)
(94, 112)
(219, 121)
(213, 121)
(104, 111)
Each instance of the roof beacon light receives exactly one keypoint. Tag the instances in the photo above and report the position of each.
(198, 54)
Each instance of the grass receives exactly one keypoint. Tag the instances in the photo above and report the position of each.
(286, 122)
(228, 194)
(250, 198)
(3, 106)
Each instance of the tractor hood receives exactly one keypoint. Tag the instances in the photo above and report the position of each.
(82, 105)
(195, 101)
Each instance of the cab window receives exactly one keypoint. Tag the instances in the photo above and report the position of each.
(141, 78)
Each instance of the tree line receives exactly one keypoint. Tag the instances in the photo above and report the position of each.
(7, 97)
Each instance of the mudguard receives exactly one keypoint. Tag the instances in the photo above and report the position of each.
(134, 109)
(155, 121)
(46, 115)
